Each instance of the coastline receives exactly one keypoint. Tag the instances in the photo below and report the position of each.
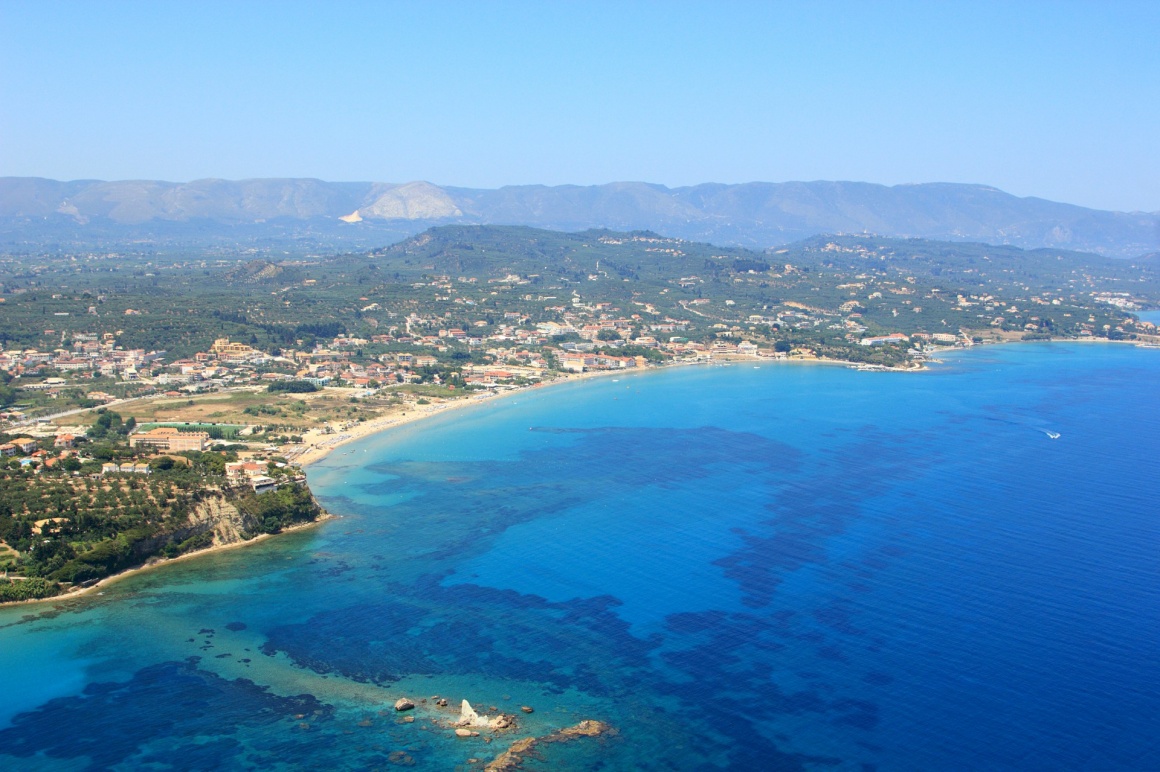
(320, 451)
(158, 562)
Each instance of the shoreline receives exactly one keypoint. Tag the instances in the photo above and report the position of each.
(158, 562)
(318, 452)
(314, 454)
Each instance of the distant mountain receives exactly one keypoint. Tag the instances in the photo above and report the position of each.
(758, 214)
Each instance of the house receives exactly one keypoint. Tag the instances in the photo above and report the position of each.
(65, 441)
(239, 469)
(25, 444)
(8, 449)
(139, 468)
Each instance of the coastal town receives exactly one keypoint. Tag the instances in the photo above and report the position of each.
(117, 388)
(590, 387)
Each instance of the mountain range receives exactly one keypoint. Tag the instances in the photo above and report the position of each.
(758, 214)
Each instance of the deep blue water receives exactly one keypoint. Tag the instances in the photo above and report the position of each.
(783, 567)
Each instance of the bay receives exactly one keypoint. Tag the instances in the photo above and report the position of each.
(773, 567)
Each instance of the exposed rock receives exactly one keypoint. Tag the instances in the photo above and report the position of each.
(586, 728)
(527, 709)
(404, 704)
(413, 201)
(468, 716)
(514, 756)
(461, 732)
(217, 514)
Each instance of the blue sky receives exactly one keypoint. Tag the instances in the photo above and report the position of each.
(1059, 100)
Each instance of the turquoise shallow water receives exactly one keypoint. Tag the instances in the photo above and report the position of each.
(781, 567)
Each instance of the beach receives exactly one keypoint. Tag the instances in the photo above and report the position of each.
(318, 445)
(773, 541)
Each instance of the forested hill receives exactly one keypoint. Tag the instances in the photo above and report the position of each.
(308, 214)
(492, 252)
(478, 277)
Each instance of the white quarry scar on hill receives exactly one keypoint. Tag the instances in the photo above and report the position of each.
(413, 201)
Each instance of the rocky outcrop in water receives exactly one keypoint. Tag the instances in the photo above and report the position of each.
(468, 717)
(514, 756)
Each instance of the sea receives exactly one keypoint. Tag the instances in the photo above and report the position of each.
(759, 566)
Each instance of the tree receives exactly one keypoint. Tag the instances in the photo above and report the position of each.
(161, 464)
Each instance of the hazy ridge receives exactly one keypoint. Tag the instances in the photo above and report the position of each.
(758, 214)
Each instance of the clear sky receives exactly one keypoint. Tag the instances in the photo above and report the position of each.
(1053, 99)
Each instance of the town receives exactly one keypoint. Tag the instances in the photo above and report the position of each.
(139, 423)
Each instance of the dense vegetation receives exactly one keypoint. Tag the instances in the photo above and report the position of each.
(292, 387)
(467, 275)
(72, 524)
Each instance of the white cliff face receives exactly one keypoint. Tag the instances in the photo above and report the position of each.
(413, 201)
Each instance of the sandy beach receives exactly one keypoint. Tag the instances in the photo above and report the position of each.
(318, 445)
